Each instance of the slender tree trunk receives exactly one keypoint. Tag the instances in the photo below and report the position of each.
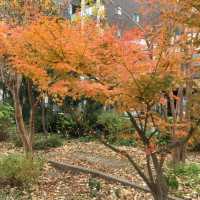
(32, 109)
(44, 120)
(179, 152)
(160, 188)
(23, 132)
(179, 155)
(159, 195)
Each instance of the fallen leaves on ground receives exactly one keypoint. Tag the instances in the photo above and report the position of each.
(56, 185)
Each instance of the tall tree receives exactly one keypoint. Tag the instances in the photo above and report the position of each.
(17, 14)
(57, 54)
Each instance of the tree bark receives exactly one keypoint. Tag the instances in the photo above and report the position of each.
(160, 188)
(179, 152)
(44, 120)
(23, 132)
(32, 108)
(179, 155)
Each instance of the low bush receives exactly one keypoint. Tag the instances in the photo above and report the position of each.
(16, 140)
(87, 138)
(187, 170)
(50, 141)
(125, 142)
(113, 124)
(16, 170)
(95, 186)
(186, 174)
(172, 181)
(71, 126)
(41, 142)
(6, 120)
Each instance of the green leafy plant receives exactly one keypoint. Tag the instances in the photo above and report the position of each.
(114, 124)
(16, 140)
(50, 141)
(16, 170)
(172, 181)
(187, 174)
(87, 138)
(6, 120)
(42, 142)
(94, 186)
(187, 170)
(70, 126)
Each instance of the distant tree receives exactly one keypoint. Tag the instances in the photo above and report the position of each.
(16, 15)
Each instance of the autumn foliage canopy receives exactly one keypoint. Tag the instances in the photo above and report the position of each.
(62, 60)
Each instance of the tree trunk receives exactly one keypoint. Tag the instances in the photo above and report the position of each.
(24, 134)
(159, 187)
(32, 109)
(160, 190)
(179, 155)
(44, 120)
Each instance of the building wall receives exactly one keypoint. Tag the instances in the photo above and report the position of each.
(122, 20)
(120, 13)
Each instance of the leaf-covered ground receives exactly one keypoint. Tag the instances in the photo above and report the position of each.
(55, 185)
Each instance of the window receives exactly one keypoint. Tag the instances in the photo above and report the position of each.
(136, 17)
(118, 10)
(119, 34)
(89, 11)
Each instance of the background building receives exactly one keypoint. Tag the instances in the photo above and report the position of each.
(124, 14)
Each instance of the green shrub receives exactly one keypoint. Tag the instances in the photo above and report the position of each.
(6, 120)
(172, 181)
(163, 138)
(41, 142)
(126, 142)
(16, 141)
(95, 186)
(51, 141)
(187, 170)
(187, 174)
(114, 124)
(16, 170)
(87, 138)
(71, 126)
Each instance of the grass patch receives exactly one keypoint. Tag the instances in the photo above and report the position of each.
(16, 170)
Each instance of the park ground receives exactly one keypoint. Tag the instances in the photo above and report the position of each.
(57, 185)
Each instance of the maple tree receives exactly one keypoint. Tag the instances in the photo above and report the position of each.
(17, 13)
(63, 60)
(184, 18)
(175, 19)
